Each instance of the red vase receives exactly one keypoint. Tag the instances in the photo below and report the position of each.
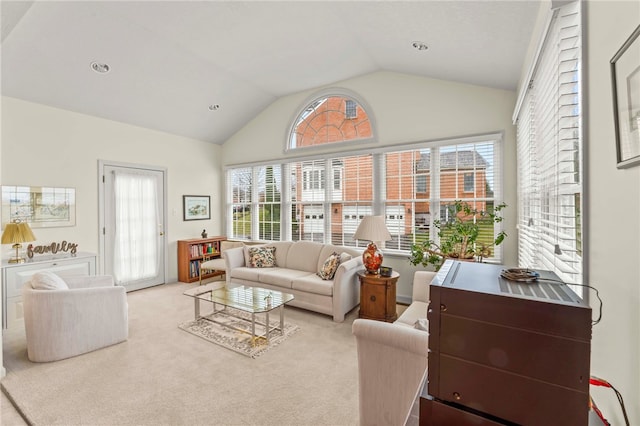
(372, 258)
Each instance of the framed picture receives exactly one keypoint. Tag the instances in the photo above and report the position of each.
(196, 207)
(39, 206)
(625, 78)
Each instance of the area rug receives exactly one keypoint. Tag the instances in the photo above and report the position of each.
(232, 330)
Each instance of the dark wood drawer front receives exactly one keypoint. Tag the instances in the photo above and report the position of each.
(545, 357)
(435, 413)
(509, 396)
(373, 301)
(526, 314)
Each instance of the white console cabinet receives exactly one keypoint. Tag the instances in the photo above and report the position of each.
(14, 275)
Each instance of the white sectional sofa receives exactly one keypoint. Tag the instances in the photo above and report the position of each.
(392, 359)
(295, 272)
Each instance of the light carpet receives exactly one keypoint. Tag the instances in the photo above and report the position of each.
(232, 330)
(164, 376)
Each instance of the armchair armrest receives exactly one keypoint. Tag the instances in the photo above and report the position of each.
(88, 281)
(392, 366)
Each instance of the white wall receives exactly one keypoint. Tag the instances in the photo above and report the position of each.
(613, 215)
(44, 146)
(406, 109)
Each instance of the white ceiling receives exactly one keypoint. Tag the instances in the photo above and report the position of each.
(171, 60)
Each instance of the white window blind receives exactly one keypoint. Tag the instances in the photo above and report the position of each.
(549, 154)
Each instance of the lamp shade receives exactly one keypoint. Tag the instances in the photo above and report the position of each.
(16, 233)
(372, 228)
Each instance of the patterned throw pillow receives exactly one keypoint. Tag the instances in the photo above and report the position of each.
(262, 257)
(330, 266)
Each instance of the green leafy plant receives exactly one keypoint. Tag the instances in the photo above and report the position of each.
(461, 237)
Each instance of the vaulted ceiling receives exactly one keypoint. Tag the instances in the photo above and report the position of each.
(172, 62)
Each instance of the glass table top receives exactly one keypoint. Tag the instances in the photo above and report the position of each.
(249, 299)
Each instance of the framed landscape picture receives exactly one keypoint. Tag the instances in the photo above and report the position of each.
(625, 79)
(39, 206)
(196, 207)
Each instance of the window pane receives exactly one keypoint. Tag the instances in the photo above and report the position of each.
(241, 181)
(353, 200)
(329, 120)
(269, 187)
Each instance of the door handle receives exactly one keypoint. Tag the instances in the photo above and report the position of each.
(161, 234)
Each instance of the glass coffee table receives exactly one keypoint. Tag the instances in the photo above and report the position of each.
(253, 300)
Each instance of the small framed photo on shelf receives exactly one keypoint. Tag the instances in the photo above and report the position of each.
(625, 79)
(196, 207)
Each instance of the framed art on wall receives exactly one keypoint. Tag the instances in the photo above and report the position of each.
(196, 207)
(625, 78)
(39, 206)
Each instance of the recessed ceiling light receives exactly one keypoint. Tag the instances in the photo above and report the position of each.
(214, 107)
(418, 45)
(100, 68)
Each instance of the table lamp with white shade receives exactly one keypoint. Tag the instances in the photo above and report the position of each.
(373, 229)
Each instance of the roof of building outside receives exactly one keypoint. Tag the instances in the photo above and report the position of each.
(451, 160)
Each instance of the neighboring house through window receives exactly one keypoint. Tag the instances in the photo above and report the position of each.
(325, 199)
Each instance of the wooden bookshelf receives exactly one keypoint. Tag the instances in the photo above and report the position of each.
(190, 254)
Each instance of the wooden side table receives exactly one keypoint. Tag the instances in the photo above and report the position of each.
(378, 296)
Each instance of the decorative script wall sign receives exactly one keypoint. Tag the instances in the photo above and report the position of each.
(52, 248)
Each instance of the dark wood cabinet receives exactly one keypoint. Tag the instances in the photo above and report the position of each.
(378, 296)
(505, 351)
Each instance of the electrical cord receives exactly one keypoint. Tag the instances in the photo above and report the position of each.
(525, 275)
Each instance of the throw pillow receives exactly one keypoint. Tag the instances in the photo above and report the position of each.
(262, 257)
(422, 324)
(48, 281)
(344, 257)
(329, 267)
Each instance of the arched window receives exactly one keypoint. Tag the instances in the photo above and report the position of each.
(330, 119)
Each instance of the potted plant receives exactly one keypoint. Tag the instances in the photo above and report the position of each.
(458, 237)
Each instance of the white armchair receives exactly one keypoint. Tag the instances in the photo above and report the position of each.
(392, 360)
(69, 316)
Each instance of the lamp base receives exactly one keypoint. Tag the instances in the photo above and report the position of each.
(17, 258)
(372, 259)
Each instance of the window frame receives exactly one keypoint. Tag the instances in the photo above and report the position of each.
(377, 203)
(330, 92)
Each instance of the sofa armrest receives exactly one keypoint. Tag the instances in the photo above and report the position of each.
(88, 281)
(421, 282)
(346, 290)
(233, 258)
(392, 366)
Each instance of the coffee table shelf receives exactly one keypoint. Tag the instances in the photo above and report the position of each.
(253, 300)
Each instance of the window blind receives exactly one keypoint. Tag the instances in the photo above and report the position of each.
(549, 154)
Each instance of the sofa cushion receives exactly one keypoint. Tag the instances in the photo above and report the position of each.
(282, 250)
(312, 283)
(48, 281)
(281, 277)
(262, 257)
(329, 267)
(245, 273)
(303, 256)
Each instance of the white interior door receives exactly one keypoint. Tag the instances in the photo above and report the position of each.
(133, 225)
